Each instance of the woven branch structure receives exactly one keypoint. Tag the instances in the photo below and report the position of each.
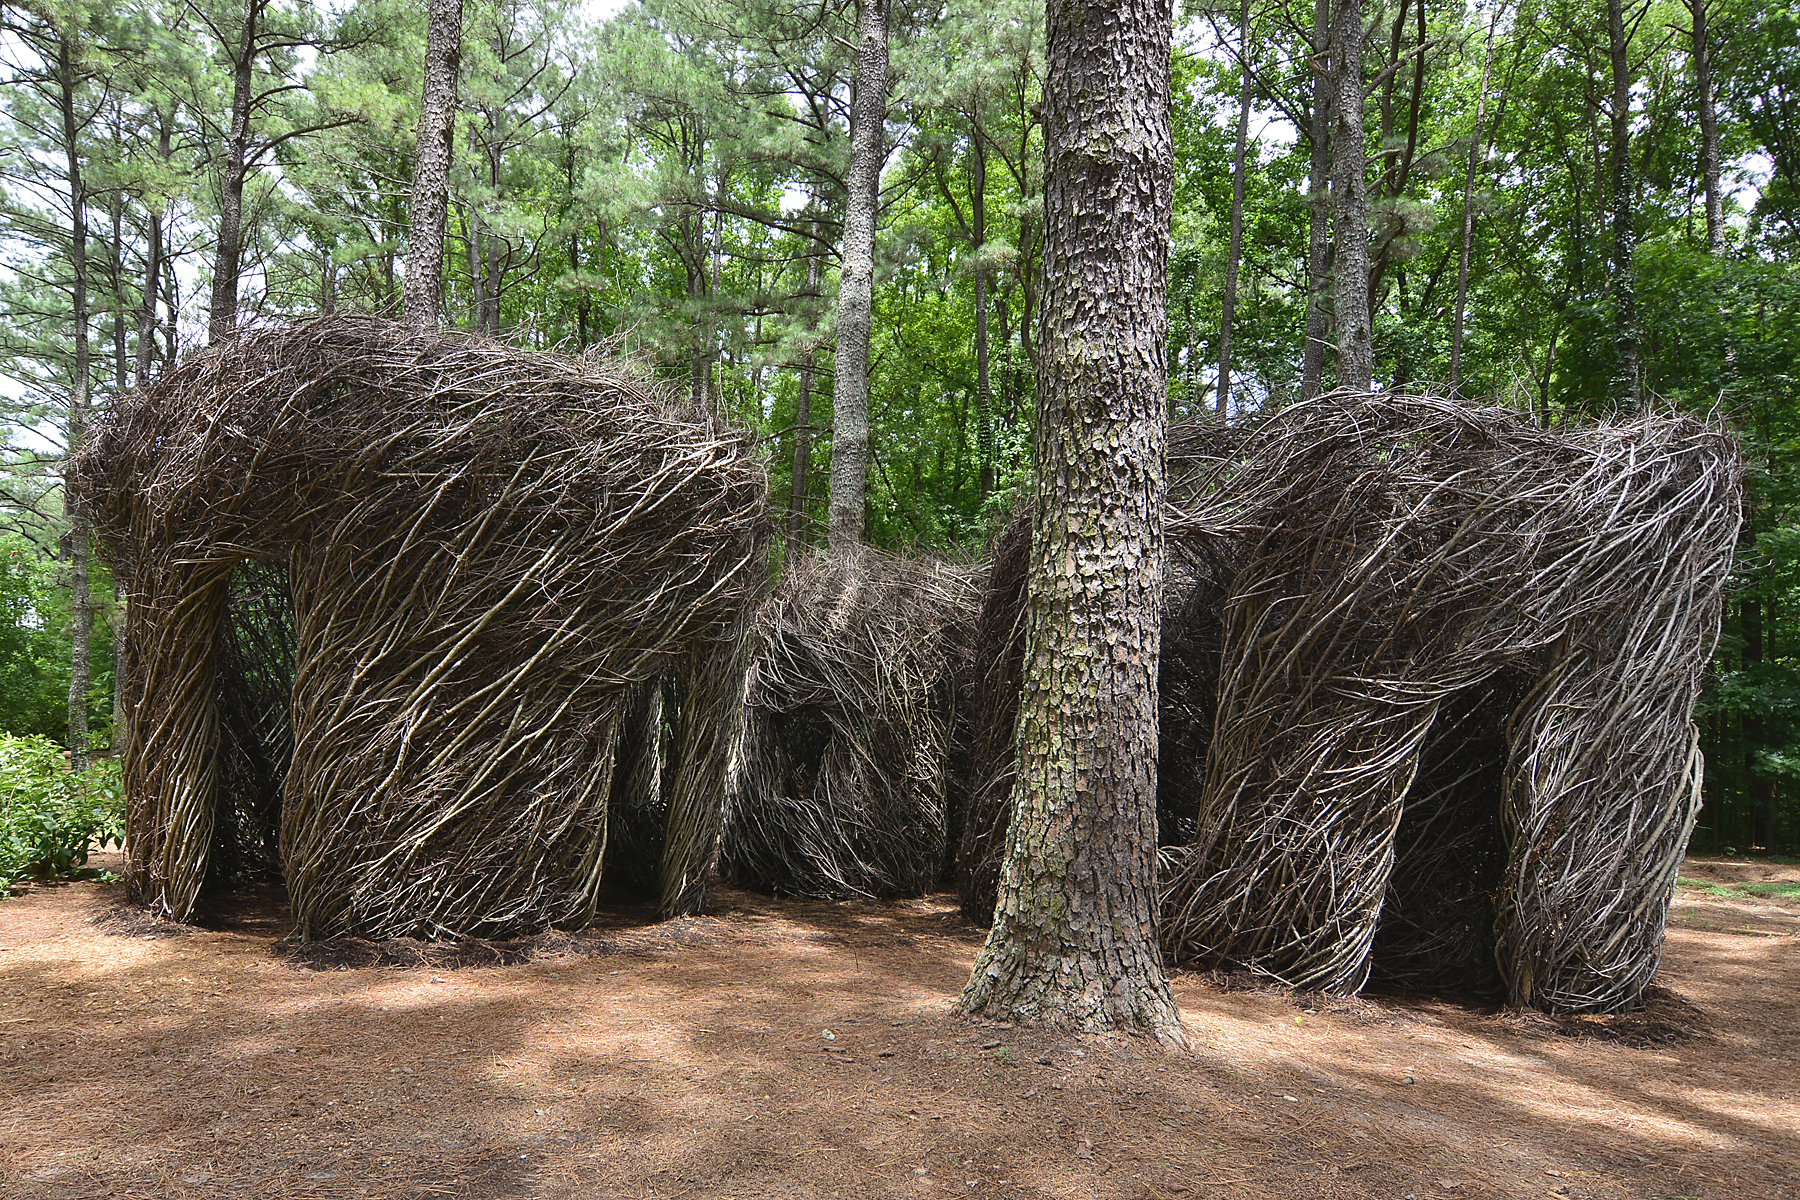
(842, 783)
(1427, 695)
(419, 581)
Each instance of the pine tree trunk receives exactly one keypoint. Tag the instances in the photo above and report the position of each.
(81, 611)
(1627, 389)
(424, 285)
(153, 266)
(1318, 203)
(1350, 202)
(801, 488)
(477, 277)
(1236, 252)
(1074, 935)
(856, 288)
(228, 262)
(1468, 217)
(984, 387)
(116, 280)
(171, 310)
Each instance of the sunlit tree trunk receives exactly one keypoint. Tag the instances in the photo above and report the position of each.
(1350, 202)
(1074, 934)
(856, 289)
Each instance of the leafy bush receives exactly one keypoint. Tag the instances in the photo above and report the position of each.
(34, 645)
(50, 817)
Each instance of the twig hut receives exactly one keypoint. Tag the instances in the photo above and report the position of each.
(841, 785)
(476, 553)
(1452, 662)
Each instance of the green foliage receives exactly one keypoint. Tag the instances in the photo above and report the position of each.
(50, 817)
(34, 646)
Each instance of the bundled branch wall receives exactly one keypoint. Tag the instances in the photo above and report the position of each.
(1447, 656)
(841, 785)
(483, 550)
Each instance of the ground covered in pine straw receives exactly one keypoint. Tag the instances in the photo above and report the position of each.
(774, 1049)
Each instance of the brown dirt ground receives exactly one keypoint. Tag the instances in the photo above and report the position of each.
(782, 1049)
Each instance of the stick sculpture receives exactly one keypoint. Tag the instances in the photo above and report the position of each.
(1428, 689)
(481, 552)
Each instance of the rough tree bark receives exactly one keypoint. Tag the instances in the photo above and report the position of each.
(1468, 214)
(424, 286)
(1318, 202)
(228, 262)
(1627, 385)
(856, 288)
(1236, 253)
(1350, 201)
(1074, 940)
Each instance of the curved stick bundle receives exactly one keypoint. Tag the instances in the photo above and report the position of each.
(841, 785)
(483, 550)
(1452, 662)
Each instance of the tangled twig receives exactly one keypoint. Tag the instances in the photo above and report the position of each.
(1429, 678)
(481, 551)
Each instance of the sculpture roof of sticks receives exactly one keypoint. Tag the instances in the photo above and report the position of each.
(390, 592)
(1427, 702)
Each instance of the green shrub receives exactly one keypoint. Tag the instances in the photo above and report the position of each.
(50, 817)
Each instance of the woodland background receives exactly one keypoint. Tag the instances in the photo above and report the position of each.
(1545, 233)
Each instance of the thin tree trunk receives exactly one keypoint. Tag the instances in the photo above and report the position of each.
(116, 280)
(1350, 202)
(171, 311)
(984, 389)
(801, 488)
(477, 278)
(1073, 940)
(709, 350)
(81, 611)
(490, 321)
(1468, 213)
(1543, 415)
(1236, 252)
(228, 262)
(1763, 810)
(1709, 130)
(1318, 202)
(1398, 179)
(424, 285)
(856, 290)
(153, 266)
(1627, 387)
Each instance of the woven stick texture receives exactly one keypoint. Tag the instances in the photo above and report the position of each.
(484, 549)
(841, 784)
(1443, 635)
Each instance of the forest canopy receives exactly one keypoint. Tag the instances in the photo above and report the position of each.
(1572, 209)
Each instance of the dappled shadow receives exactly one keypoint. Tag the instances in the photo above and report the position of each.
(780, 1049)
